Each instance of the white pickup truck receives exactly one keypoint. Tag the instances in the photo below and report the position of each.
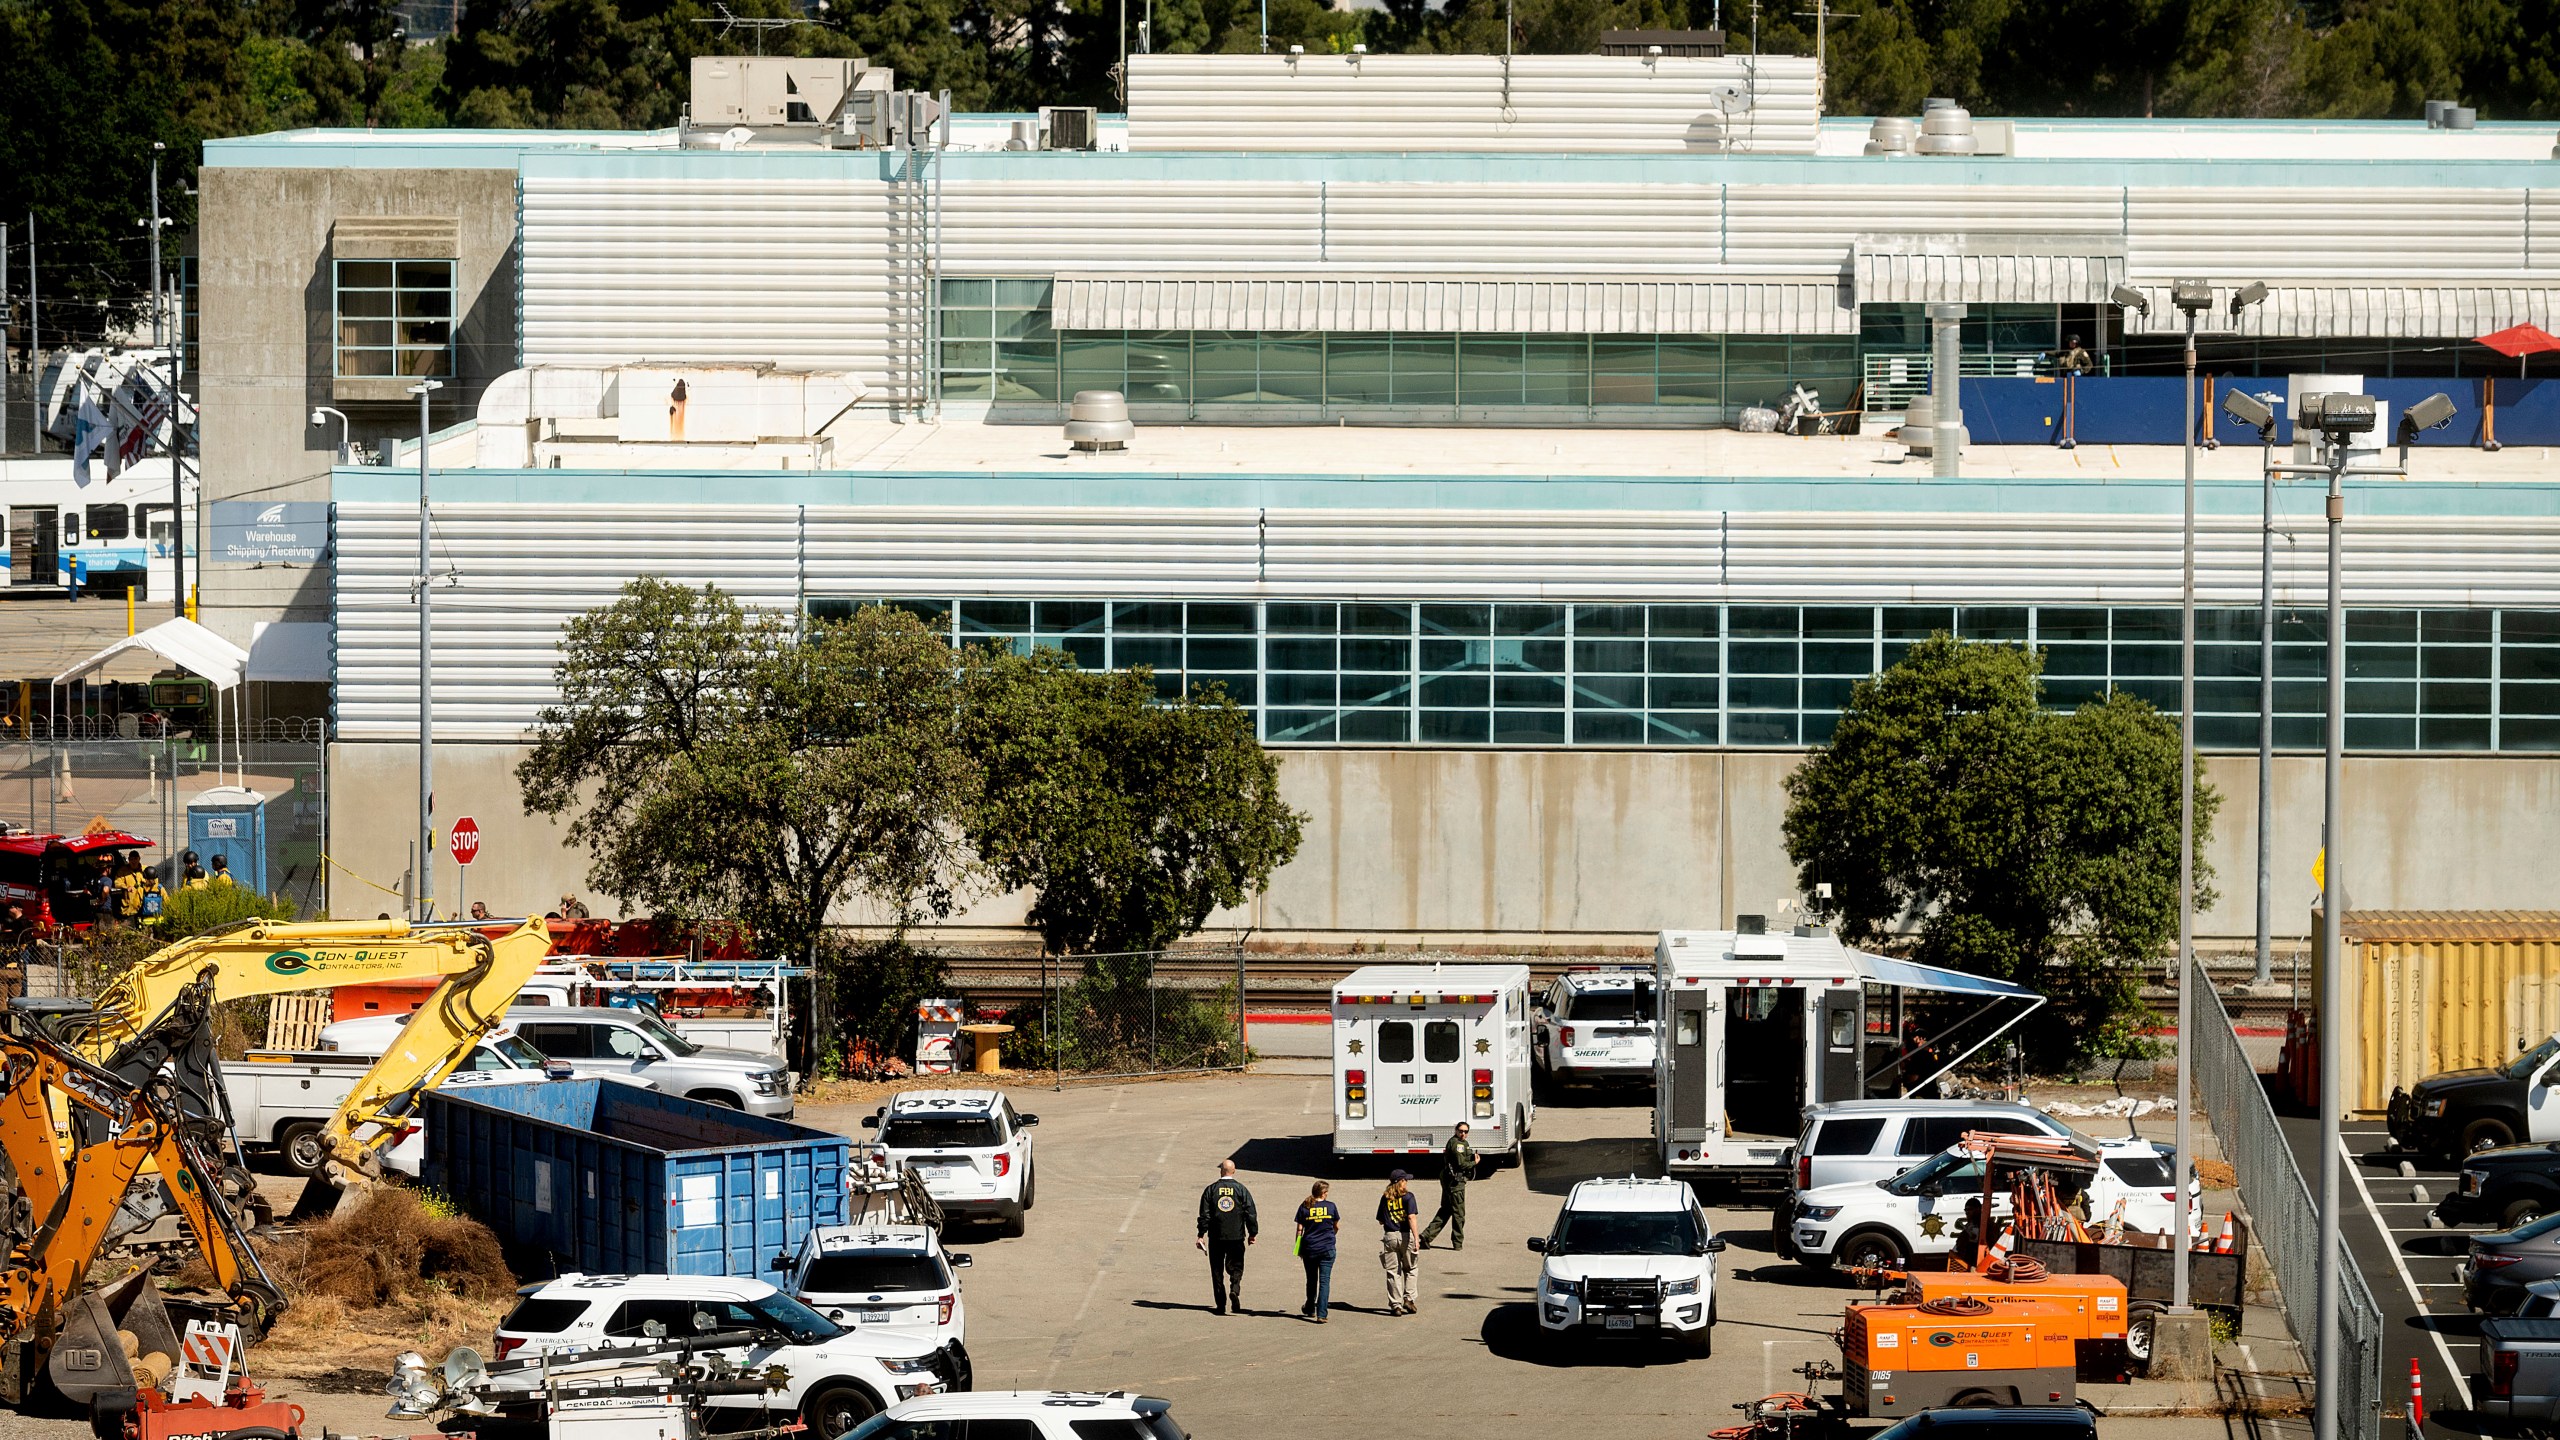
(284, 1098)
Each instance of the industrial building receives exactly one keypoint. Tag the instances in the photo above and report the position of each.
(1432, 361)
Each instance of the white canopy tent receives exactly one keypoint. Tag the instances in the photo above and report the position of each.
(192, 648)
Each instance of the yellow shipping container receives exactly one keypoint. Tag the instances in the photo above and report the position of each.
(2439, 990)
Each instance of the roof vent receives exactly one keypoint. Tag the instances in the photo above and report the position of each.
(2461, 117)
(1946, 128)
(1750, 924)
(1099, 420)
(2435, 113)
(1892, 135)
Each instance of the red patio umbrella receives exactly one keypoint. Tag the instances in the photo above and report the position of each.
(2520, 341)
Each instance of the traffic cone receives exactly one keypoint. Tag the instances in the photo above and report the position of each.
(2000, 1249)
(2229, 1237)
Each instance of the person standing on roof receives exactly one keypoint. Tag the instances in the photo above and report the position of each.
(1396, 1247)
(1458, 1160)
(1227, 1226)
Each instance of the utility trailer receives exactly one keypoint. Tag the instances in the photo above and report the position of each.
(1755, 1027)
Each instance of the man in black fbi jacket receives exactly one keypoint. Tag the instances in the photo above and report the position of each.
(1227, 1225)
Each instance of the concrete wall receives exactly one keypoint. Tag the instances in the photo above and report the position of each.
(264, 268)
(1585, 847)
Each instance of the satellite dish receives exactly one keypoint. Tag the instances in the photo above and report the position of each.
(1731, 99)
(464, 1368)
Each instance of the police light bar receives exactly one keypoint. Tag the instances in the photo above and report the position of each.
(1414, 999)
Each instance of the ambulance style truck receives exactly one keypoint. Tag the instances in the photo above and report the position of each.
(1755, 1027)
(1419, 1048)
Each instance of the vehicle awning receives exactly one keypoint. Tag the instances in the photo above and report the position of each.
(1993, 270)
(1794, 304)
(1911, 975)
(181, 642)
(2342, 309)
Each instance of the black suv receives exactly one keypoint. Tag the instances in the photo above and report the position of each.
(2508, 1186)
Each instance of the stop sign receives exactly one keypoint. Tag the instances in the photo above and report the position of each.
(466, 840)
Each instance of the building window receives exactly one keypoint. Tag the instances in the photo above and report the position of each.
(1455, 673)
(395, 319)
(996, 341)
(108, 522)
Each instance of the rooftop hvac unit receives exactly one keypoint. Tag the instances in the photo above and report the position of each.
(1069, 127)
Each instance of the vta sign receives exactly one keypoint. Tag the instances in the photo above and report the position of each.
(465, 843)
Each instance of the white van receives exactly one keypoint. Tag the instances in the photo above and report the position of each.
(1418, 1048)
(1757, 1026)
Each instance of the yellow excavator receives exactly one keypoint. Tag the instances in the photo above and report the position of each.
(57, 1218)
(127, 1030)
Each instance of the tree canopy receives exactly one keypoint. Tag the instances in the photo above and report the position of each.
(93, 83)
(2009, 840)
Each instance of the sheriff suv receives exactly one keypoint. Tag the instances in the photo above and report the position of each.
(970, 1149)
(1630, 1255)
(1597, 1026)
(1027, 1415)
(875, 1275)
(832, 1377)
(2452, 1114)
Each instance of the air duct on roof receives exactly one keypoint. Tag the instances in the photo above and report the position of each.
(2461, 117)
(2435, 112)
(1891, 135)
(1946, 130)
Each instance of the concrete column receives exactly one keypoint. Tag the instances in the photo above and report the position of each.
(1946, 408)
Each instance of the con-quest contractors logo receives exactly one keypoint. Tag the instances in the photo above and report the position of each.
(302, 962)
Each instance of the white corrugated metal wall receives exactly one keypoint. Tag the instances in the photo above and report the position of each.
(1546, 103)
(516, 581)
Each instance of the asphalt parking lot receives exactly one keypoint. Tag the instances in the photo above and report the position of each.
(1106, 1291)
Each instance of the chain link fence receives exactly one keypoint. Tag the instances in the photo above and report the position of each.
(1158, 1013)
(2282, 1212)
(147, 787)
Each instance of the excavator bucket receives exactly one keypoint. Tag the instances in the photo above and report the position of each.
(89, 1363)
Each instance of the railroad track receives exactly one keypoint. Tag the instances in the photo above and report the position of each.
(1290, 982)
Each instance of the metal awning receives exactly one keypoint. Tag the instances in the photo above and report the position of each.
(1797, 304)
(1987, 270)
(2360, 309)
(1912, 975)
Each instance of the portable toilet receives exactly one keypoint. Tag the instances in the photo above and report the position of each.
(938, 1037)
(231, 822)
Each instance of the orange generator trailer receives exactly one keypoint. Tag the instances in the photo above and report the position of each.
(1960, 1338)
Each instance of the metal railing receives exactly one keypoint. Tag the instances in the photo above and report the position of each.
(2282, 1213)
(1895, 378)
(146, 788)
(253, 730)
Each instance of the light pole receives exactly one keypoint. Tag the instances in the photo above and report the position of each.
(160, 341)
(2336, 419)
(426, 891)
(2247, 296)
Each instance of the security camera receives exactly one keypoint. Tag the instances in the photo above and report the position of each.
(317, 417)
(2194, 297)
(1297, 50)
(2254, 293)
(2126, 297)
(2433, 413)
(2249, 410)
(2337, 415)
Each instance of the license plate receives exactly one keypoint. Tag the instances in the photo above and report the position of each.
(875, 1317)
(936, 1172)
(1619, 1322)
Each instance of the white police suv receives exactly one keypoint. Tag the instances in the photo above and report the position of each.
(1028, 1415)
(874, 1275)
(1596, 1024)
(1634, 1256)
(834, 1378)
(968, 1146)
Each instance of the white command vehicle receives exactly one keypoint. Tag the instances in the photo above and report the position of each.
(834, 1378)
(1418, 1048)
(1915, 1215)
(968, 1146)
(1757, 1026)
(1596, 1025)
(1027, 1415)
(1634, 1256)
(876, 1275)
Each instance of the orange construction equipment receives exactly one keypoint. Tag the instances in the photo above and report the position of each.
(2090, 1309)
(1899, 1359)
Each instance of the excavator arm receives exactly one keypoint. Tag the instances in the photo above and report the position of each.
(458, 1016)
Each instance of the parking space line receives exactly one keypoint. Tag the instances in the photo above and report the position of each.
(2443, 1351)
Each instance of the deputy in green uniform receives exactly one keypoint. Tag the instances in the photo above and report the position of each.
(1457, 1167)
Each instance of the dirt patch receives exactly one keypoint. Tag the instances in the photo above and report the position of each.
(395, 1273)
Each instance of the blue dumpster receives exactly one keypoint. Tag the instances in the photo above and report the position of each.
(608, 1178)
(231, 822)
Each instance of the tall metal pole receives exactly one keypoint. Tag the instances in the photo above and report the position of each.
(2186, 849)
(2329, 1351)
(35, 346)
(2266, 722)
(426, 891)
(160, 340)
(4, 343)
